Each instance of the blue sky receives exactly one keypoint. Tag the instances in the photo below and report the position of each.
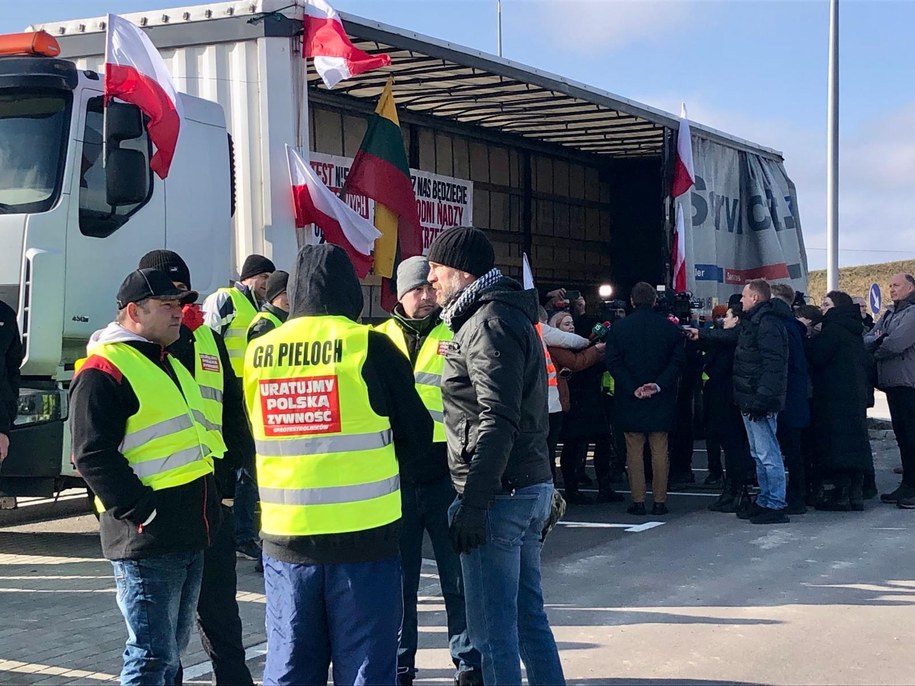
(756, 69)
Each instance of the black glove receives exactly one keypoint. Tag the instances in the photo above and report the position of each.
(756, 414)
(468, 528)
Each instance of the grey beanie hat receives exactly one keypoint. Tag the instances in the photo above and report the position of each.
(412, 273)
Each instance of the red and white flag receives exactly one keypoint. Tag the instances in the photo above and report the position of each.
(336, 58)
(684, 177)
(315, 203)
(136, 73)
(678, 253)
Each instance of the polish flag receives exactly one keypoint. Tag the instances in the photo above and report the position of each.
(135, 73)
(336, 58)
(678, 253)
(684, 177)
(527, 274)
(315, 203)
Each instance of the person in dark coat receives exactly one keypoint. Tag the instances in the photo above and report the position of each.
(645, 354)
(723, 424)
(10, 361)
(838, 363)
(796, 416)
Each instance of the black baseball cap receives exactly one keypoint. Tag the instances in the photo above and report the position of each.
(151, 283)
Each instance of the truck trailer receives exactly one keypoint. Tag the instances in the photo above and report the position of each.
(575, 177)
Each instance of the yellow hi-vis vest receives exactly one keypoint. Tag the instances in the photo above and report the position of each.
(427, 372)
(236, 334)
(165, 442)
(209, 377)
(263, 314)
(325, 459)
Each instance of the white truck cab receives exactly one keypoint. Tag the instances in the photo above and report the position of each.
(72, 227)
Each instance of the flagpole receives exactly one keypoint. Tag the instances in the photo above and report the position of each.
(105, 97)
(832, 153)
(499, 27)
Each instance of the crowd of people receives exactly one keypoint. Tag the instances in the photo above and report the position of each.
(445, 420)
(780, 387)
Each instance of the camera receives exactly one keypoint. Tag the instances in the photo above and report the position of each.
(799, 301)
(679, 305)
(611, 310)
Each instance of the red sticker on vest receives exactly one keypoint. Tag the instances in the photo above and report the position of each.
(300, 407)
(442, 347)
(209, 363)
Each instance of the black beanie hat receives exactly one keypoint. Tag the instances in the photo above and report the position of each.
(167, 261)
(276, 284)
(464, 248)
(254, 265)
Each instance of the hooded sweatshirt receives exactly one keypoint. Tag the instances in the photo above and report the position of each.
(323, 283)
(138, 522)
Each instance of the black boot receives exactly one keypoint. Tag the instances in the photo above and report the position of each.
(574, 497)
(606, 494)
(837, 498)
(856, 493)
(725, 502)
(744, 503)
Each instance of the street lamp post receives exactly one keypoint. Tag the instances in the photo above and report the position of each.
(832, 153)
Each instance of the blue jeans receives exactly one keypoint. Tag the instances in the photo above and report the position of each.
(770, 468)
(347, 614)
(243, 509)
(425, 508)
(158, 598)
(505, 616)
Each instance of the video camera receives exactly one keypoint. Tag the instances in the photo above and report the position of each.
(799, 301)
(677, 304)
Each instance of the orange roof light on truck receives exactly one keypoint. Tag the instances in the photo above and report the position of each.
(37, 43)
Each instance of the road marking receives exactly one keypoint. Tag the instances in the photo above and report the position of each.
(631, 528)
(204, 668)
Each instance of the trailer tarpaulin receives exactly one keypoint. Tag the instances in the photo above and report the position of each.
(745, 223)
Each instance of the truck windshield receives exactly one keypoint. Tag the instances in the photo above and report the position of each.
(33, 128)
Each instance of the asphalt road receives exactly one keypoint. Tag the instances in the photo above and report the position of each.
(691, 598)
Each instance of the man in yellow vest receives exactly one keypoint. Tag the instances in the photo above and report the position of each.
(229, 312)
(142, 444)
(419, 332)
(336, 417)
(275, 309)
(203, 353)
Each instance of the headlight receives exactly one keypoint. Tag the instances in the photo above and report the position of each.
(37, 406)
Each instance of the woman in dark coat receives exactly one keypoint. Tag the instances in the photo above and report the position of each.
(723, 424)
(838, 364)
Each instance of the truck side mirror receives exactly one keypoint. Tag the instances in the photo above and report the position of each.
(125, 122)
(126, 177)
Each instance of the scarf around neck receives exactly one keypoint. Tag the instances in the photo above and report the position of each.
(465, 298)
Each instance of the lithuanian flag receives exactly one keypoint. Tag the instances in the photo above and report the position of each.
(381, 172)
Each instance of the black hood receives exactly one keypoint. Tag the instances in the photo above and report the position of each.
(783, 310)
(766, 307)
(323, 282)
(510, 292)
(846, 316)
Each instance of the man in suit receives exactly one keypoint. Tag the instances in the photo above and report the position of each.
(645, 354)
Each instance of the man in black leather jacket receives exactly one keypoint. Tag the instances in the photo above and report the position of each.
(494, 394)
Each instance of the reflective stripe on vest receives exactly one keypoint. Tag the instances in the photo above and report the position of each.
(208, 374)
(427, 372)
(325, 459)
(260, 316)
(165, 442)
(552, 379)
(236, 334)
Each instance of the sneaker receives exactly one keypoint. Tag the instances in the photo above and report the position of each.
(249, 549)
(725, 503)
(903, 504)
(637, 509)
(796, 509)
(902, 491)
(750, 512)
(768, 516)
(659, 509)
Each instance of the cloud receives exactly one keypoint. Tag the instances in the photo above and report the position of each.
(588, 26)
